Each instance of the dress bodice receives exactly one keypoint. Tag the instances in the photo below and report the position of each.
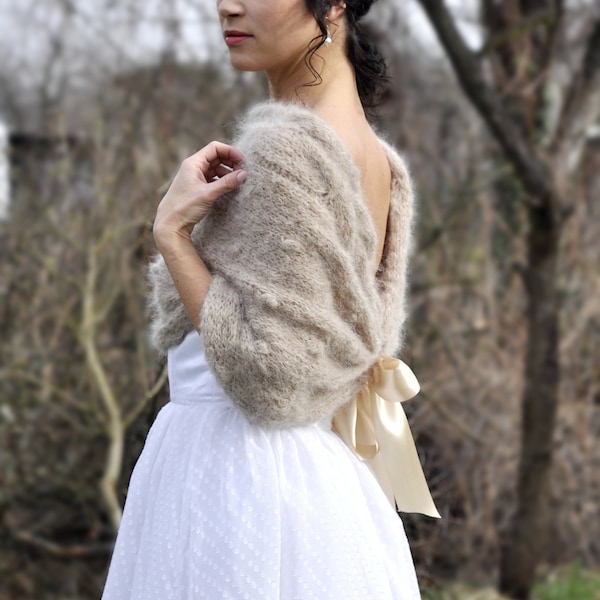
(192, 382)
(190, 379)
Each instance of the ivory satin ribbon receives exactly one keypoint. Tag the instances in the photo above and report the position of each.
(375, 427)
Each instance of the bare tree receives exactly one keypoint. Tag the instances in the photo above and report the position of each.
(508, 83)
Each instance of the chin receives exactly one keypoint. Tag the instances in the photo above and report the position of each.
(242, 63)
(246, 61)
(246, 69)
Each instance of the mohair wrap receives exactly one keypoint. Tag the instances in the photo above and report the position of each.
(294, 317)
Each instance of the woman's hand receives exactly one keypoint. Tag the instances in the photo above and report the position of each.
(200, 181)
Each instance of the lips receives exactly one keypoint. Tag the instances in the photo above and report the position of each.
(235, 38)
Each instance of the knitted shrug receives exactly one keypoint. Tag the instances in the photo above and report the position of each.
(294, 317)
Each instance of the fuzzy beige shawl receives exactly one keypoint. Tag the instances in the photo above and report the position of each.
(294, 317)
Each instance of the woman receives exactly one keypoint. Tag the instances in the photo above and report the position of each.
(279, 285)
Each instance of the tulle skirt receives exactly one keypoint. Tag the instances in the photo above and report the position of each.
(219, 508)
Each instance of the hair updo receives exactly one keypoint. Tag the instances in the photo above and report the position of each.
(371, 71)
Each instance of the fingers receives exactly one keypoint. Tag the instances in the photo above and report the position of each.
(221, 170)
(215, 154)
(227, 183)
(214, 161)
(217, 166)
(202, 179)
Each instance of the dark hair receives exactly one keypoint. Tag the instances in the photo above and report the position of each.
(371, 71)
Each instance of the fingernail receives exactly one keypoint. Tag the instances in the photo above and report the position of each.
(242, 176)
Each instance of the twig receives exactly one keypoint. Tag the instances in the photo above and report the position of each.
(115, 428)
(150, 394)
(441, 408)
(50, 547)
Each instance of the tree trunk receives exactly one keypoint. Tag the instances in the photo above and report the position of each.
(529, 533)
(530, 528)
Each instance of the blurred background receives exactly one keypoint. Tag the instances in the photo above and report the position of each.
(496, 107)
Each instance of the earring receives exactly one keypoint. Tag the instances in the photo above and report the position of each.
(328, 39)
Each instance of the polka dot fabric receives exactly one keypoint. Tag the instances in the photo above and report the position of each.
(219, 508)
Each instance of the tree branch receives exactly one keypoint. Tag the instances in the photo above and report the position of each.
(533, 171)
(525, 26)
(115, 428)
(160, 382)
(50, 547)
(581, 108)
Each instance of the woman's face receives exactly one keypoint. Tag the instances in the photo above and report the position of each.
(266, 35)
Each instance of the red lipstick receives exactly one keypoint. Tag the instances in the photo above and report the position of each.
(235, 38)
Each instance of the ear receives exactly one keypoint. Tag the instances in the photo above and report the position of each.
(336, 11)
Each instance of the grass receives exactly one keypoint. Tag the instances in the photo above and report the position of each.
(572, 582)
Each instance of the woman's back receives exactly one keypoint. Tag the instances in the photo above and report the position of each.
(358, 137)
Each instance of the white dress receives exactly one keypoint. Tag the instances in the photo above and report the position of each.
(219, 508)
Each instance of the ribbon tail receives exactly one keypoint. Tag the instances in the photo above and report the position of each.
(344, 424)
(401, 461)
(380, 471)
(354, 424)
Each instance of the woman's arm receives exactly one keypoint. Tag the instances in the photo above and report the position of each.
(201, 180)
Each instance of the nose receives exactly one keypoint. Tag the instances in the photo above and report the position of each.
(229, 8)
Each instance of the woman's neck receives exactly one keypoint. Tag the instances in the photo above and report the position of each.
(337, 83)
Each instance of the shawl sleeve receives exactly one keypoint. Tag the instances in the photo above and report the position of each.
(169, 321)
(292, 320)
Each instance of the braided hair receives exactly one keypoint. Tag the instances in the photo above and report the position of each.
(369, 65)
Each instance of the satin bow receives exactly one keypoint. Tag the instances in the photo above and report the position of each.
(375, 427)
